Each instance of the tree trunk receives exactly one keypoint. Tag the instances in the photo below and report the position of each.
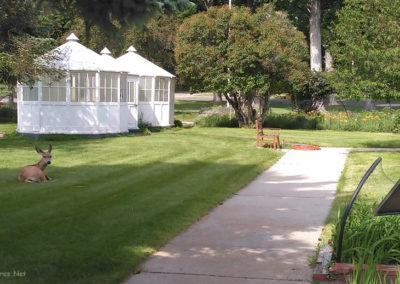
(264, 105)
(88, 26)
(217, 97)
(251, 112)
(328, 61)
(315, 36)
(369, 105)
(317, 103)
(330, 99)
(236, 104)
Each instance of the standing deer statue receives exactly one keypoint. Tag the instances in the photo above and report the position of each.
(35, 173)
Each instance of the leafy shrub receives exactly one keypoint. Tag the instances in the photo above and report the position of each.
(291, 121)
(7, 114)
(376, 121)
(217, 120)
(144, 127)
(367, 238)
(396, 121)
(178, 123)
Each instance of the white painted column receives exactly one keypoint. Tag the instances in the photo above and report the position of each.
(97, 87)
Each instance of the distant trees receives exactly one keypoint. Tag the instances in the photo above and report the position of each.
(248, 53)
(366, 51)
(30, 28)
(244, 56)
(103, 14)
(316, 19)
(156, 40)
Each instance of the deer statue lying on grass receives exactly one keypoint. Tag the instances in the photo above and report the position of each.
(35, 173)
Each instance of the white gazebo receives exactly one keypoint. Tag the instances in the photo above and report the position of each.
(151, 89)
(96, 97)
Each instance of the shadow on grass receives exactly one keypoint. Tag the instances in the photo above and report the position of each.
(14, 141)
(393, 143)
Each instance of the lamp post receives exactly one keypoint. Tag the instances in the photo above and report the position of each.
(227, 102)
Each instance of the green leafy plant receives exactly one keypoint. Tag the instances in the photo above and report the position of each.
(178, 123)
(144, 127)
(8, 114)
(217, 121)
(396, 121)
(367, 237)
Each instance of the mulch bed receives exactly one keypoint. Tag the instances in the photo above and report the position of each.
(305, 147)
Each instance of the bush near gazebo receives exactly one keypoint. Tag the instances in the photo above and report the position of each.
(244, 56)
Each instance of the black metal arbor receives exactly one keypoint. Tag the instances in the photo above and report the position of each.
(390, 205)
(350, 204)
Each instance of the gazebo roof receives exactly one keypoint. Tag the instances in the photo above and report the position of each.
(75, 56)
(109, 63)
(138, 65)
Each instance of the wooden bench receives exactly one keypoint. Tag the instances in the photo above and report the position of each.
(271, 135)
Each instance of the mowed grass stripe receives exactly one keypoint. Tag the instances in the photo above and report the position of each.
(115, 201)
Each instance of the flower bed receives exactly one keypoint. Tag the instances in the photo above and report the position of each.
(376, 121)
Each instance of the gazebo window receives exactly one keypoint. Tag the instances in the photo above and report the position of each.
(161, 90)
(54, 91)
(108, 87)
(83, 87)
(145, 86)
(131, 92)
(30, 93)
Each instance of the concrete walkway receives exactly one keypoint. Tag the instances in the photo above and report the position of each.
(263, 234)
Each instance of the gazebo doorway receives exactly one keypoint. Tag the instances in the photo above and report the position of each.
(132, 103)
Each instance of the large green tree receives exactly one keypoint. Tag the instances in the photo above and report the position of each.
(19, 46)
(156, 40)
(316, 18)
(102, 13)
(367, 50)
(244, 56)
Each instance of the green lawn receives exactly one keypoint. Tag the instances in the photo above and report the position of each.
(277, 108)
(114, 201)
(189, 110)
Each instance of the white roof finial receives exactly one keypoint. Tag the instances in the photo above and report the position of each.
(105, 51)
(131, 49)
(72, 37)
